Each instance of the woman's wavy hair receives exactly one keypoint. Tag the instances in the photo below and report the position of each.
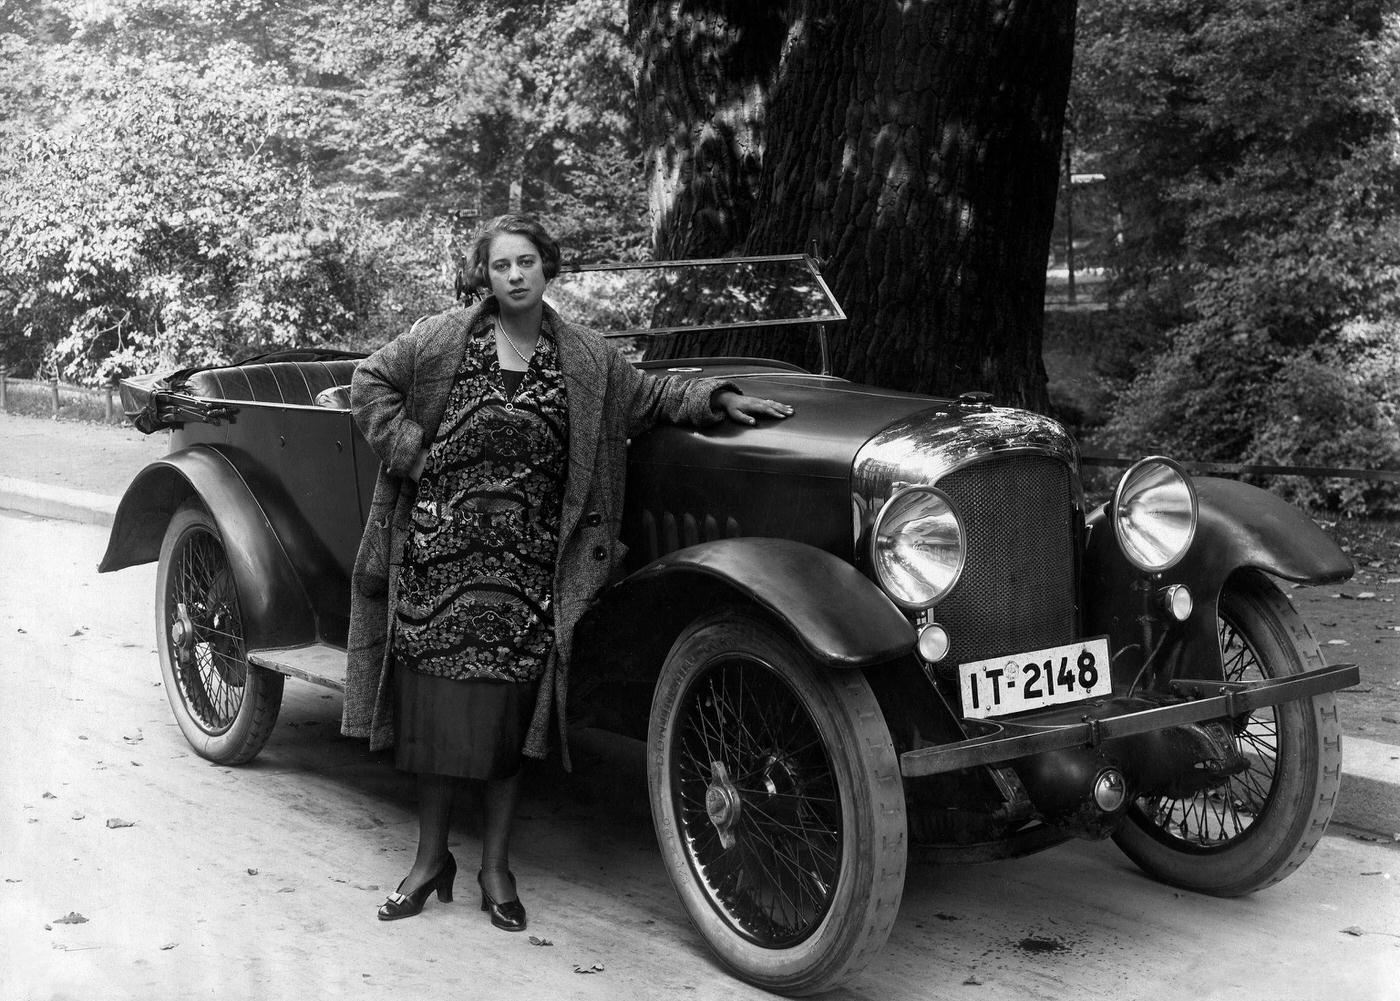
(473, 274)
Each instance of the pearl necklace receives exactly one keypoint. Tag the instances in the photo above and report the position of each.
(525, 359)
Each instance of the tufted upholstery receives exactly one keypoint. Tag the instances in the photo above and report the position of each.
(297, 382)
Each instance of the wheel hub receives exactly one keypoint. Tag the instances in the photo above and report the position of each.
(722, 804)
(182, 632)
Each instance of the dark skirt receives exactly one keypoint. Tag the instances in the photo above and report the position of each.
(469, 729)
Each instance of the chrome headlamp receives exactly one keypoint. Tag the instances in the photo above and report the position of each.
(918, 546)
(1154, 513)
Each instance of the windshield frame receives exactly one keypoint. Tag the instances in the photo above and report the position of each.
(806, 261)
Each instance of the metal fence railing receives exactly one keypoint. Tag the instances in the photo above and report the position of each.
(34, 396)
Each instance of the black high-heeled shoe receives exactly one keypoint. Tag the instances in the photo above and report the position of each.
(508, 915)
(405, 905)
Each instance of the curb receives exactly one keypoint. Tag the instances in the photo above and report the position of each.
(1370, 795)
(57, 502)
(1369, 799)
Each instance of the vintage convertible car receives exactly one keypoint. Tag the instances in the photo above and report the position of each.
(887, 624)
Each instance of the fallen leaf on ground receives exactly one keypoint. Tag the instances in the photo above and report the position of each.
(365, 886)
(1336, 642)
(287, 889)
(1365, 595)
(71, 918)
(972, 982)
(1354, 930)
(168, 946)
(539, 941)
(134, 740)
(595, 968)
(49, 795)
(77, 815)
(118, 822)
(252, 872)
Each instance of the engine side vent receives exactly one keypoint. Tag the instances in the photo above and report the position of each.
(668, 533)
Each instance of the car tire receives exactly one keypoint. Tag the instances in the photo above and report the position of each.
(793, 761)
(225, 706)
(1260, 825)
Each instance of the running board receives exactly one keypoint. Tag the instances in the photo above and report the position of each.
(318, 663)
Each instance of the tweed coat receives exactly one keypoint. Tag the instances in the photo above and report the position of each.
(399, 394)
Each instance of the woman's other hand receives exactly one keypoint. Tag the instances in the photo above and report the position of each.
(747, 409)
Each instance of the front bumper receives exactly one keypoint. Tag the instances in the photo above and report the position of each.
(1092, 723)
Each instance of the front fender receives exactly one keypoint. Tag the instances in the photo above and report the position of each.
(1240, 527)
(276, 610)
(838, 616)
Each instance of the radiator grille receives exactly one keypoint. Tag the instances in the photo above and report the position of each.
(1017, 590)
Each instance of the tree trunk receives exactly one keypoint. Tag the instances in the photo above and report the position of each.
(702, 82)
(918, 144)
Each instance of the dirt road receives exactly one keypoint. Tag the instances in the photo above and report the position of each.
(262, 881)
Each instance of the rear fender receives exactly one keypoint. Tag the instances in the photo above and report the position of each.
(1240, 527)
(838, 616)
(275, 607)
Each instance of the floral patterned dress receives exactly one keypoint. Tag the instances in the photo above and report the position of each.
(478, 573)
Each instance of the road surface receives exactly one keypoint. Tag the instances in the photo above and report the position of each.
(262, 881)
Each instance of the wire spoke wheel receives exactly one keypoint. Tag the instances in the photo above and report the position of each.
(778, 804)
(225, 707)
(207, 631)
(770, 855)
(1255, 827)
(1215, 818)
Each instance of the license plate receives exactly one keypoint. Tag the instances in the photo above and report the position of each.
(1033, 680)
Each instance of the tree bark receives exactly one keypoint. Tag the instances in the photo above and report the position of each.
(917, 144)
(704, 74)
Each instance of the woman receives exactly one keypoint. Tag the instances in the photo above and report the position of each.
(501, 432)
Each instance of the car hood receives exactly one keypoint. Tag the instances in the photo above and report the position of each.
(909, 436)
(832, 419)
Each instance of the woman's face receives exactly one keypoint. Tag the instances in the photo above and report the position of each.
(516, 272)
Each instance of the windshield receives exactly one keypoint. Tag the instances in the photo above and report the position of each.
(666, 297)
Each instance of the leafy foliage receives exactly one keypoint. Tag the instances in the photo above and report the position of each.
(1337, 406)
(1253, 149)
(184, 181)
